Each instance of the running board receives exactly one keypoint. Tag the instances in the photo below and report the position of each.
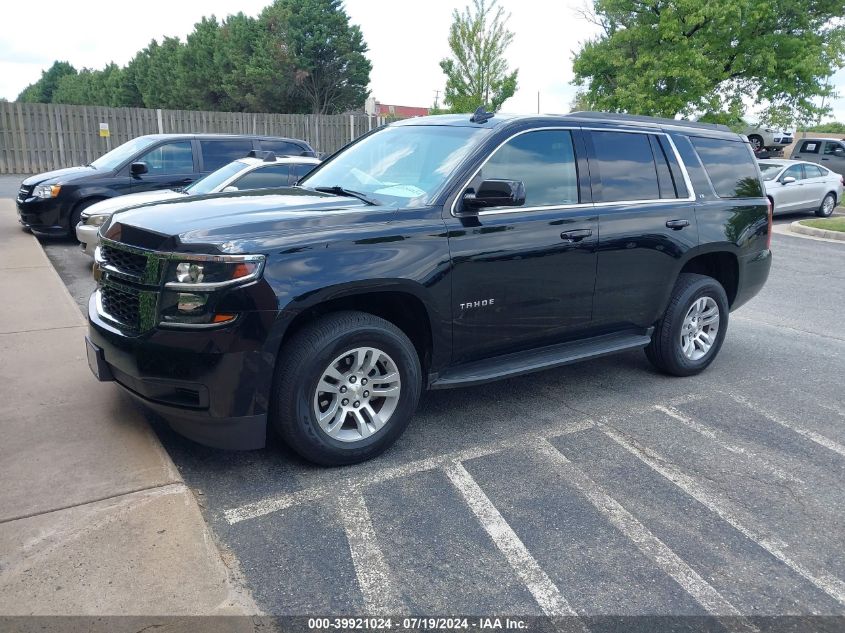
(519, 363)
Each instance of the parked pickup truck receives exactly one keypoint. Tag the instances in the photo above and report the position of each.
(435, 252)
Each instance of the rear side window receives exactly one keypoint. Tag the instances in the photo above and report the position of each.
(264, 177)
(543, 160)
(812, 171)
(730, 166)
(626, 166)
(810, 147)
(833, 147)
(215, 154)
(298, 171)
(282, 148)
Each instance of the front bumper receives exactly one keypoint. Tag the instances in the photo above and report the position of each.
(44, 216)
(211, 386)
(88, 236)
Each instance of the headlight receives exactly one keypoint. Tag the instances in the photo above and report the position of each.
(94, 220)
(46, 191)
(190, 299)
(195, 273)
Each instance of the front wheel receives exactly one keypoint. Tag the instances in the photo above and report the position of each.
(827, 206)
(690, 334)
(346, 387)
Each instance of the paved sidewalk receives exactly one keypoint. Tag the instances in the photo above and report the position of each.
(94, 516)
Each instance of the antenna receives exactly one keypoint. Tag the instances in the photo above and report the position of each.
(481, 116)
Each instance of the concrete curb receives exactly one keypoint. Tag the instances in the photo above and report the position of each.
(95, 518)
(836, 236)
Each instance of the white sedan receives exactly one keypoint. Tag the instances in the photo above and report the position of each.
(259, 170)
(794, 186)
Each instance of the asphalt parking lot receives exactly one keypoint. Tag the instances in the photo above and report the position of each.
(595, 489)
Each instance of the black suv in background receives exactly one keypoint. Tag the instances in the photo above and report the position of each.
(436, 252)
(51, 203)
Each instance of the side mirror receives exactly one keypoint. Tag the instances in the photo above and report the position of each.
(229, 189)
(138, 169)
(787, 180)
(496, 193)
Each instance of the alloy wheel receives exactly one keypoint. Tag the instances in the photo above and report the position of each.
(699, 328)
(357, 394)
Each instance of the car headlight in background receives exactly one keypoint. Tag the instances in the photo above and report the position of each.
(94, 220)
(46, 191)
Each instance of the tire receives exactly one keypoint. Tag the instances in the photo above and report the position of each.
(665, 350)
(304, 362)
(756, 142)
(827, 206)
(75, 215)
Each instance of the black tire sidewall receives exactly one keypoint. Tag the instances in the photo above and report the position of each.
(308, 438)
(706, 287)
(76, 215)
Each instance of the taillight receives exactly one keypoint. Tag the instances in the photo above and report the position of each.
(769, 222)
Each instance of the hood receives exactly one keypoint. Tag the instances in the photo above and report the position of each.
(238, 221)
(62, 176)
(111, 205)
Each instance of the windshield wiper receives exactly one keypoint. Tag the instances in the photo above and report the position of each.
(349, 193)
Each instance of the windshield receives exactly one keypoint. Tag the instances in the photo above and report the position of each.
(770, 170)
(122, 153)
(401, 166)
(212, 182)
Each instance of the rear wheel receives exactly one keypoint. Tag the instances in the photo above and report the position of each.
(827, 206)
(346, 387)
(690, 334)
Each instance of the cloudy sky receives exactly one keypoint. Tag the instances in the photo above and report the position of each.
(406, 40)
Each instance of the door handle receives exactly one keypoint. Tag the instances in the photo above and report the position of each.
(577, 235)
(676, 225)
(825, 159)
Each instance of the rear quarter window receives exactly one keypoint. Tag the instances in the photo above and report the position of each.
(810, 147)
(730, 166)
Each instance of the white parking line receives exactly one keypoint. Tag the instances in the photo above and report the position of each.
(818, 438)
(286, 500)
(828, 583)
(719, 437)
(374, 575)
(660, 553)
(545, 592)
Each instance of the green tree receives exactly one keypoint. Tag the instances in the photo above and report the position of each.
(477, 72)
(831, 127)
(315, 41)
(687, 57)
(42, 90)
(158, 73)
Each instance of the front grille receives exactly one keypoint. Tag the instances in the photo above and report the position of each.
(25, 192)
(122, 305)
(125, 262)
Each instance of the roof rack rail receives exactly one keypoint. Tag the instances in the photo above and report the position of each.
(266, 156)
(639, 118)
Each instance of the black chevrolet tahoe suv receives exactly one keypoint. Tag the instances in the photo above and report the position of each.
(435, 252)
(52, 203)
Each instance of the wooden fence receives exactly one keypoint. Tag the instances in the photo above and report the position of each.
(37, 137)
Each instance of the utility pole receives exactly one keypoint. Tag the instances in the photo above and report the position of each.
(436, 98)
(538, 102)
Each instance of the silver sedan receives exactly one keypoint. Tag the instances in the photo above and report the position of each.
(794, 186)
